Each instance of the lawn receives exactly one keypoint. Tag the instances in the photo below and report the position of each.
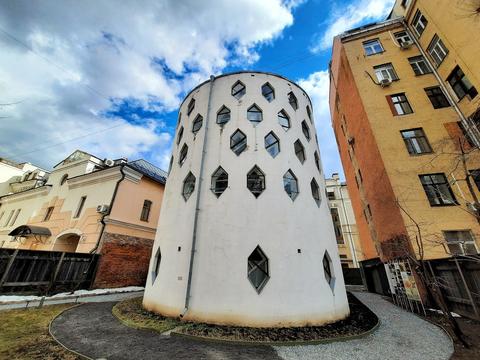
(24, 334)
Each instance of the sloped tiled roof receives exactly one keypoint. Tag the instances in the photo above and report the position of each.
(149, 170)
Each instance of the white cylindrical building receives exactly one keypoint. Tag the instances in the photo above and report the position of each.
(245, 235)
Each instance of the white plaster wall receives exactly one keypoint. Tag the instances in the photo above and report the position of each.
(230, 227)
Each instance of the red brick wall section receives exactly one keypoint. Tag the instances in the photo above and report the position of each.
(123, 261)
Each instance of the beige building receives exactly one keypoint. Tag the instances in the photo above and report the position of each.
(19, 177)
(346, 233)
(89, 205)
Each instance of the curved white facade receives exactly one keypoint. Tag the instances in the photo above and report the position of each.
(296, 236)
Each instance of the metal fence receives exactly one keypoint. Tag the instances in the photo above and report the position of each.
(45, 272)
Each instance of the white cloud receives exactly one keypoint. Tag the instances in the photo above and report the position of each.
(317, 86)
(87, 53)
(347, 17)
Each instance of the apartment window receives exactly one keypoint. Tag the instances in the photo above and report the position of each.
(188, 186)
(317, 160)
(419, 23)
(437, 50)
(402, 37)
(9, 217)
(460, 242)
(256, 181)
(399, 104)
(438, 189)
(223, 115)
(437, 97)
(254, 114)
(476, 177)
(283, 120)
(331, 195)
(219, 181)
(272, 144)
(306, 130)
(309, 114)
(180, 135)
(460, 84)
(183, 155)
(416, 141)
(419, 65)
(238, 90)
(257, 270)
(147, 205)
(268, 92)
(292, 99)
(299, 151)
(337, 225)
(191, 106)
(80, 206)
(315, 192)
(197, 124)
(372, 47)
(290, 184)
(63, 179)
(385, 72)
(327, 269)
(48, 213)
(238, 142)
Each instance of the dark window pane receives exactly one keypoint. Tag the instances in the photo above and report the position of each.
(238, 142)
(272, 144)
(238, 90)
(267, 92)
(437, 97)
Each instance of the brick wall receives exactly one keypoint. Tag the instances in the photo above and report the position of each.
(123, 261)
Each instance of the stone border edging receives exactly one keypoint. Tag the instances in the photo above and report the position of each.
(278, 343)
(57, 341)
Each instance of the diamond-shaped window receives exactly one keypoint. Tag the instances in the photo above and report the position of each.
(258, 269)
(188, 186)
(238, 90)
(328, 270)
(299, 151)
(197, 124)
(180, 135)
(191, 106)
(315, 192)
(268, 92)
(272, 144)
(292, 99)
(254, 114)
(223, 115)
(238, 142)
(219, 181)
(156, 264)
(256, 181)
(306, 130)
(283, 119)
(183, 154)
(290, 184)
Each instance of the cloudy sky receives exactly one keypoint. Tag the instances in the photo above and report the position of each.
(107, 76)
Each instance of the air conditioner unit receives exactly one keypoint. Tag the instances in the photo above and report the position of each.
(385, 82)
(102, 209)
(406, 44)
(109, 162)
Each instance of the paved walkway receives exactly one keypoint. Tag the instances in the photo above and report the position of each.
(92, 330)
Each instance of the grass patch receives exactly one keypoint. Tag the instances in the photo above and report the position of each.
(24, 334)
(132, 314)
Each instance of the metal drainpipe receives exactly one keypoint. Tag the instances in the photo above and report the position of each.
(463, 118)
(352, 244)
(197, 203)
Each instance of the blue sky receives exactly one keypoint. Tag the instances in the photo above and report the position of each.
(107, 77)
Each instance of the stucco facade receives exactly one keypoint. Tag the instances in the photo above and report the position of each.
(205, 258)
(387, 171)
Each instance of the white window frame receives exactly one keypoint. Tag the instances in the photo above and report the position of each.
(371, 44)
(402, 38)
(419, 21)
(415, 61)
(385, 71)
(437, 50)
(461, 243)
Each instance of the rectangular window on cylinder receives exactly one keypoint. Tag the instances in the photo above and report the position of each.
(416, 141)
(399, 104)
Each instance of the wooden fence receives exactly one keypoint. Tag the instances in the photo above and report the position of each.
(460, 281)
(45, 272)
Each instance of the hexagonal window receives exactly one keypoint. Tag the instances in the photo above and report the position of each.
(188, 186)
(180, 135)
(309, 113)
(219, 181)
(315, 192)
(292, 99)
(256, 181)
(191, 106)
(197, 124)
(272, 144)
(317, 160)
(306, 130)
(283, 119)
(328, 270)
(238, 90)
(183, 155)
(223, 115)
(290, 184)
(268, 92)
(257, 270)
(254, 114)
(238, 142)
(156, 264)
(299, 151)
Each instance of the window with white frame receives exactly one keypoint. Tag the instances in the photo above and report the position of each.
(419, 23)
(372, 47)
(419, 65)
(460, 242)
(385, 71)
(437, 50)
(402, 37)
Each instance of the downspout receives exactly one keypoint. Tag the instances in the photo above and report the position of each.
(473, 134)
(102, 220)
(197, 203)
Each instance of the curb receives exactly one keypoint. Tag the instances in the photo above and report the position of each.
(278, 343)
(58, 342)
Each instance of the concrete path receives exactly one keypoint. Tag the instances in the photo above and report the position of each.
(92, 330)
